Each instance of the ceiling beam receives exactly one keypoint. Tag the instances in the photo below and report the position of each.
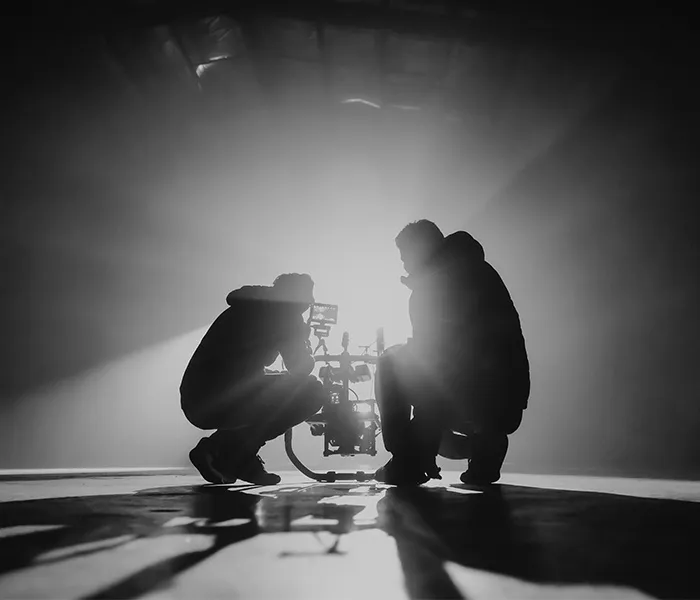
(474, 22)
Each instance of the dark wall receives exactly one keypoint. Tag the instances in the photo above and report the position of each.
(101, 275)
(599, 240)
(95, 246)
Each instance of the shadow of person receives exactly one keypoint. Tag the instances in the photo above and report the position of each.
(543, 536)
(233, 514)
(227, 517)
(53, 530)
(434, 525)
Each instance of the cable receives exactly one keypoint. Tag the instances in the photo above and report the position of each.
(368, 347)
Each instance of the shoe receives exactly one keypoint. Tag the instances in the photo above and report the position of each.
(202, 457)
(396, 473)
(433, 471)
(251, 470)
(479, 479)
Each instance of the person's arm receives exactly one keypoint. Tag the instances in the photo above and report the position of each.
(427, 322)
(296, 351)
(444, 319)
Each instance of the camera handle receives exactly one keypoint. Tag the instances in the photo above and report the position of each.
(321, 344)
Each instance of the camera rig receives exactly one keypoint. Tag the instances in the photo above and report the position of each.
(349, 425)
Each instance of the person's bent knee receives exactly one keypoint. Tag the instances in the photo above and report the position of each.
(392, 350)
(315, 393)
(510, 422)
(194, 416)
(391, 358)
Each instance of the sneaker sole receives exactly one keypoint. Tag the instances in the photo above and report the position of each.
(272, 481)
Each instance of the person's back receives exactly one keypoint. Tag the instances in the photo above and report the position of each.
(242, 341)
(225, 387)
(464, 371)
(464, 317)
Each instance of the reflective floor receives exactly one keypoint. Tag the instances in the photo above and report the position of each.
(165, 535)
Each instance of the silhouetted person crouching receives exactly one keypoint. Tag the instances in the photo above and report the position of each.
(225, 386)
(464, 373)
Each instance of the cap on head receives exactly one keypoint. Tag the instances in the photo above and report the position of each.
(295, 288)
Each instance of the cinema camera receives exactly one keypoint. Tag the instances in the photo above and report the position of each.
(349, 425)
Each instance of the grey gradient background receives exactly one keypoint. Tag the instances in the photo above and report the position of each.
(132, 202)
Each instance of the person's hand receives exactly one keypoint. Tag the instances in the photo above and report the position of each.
(303, 366)
(273, 372)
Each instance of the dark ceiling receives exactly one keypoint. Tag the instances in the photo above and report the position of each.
(443, 56)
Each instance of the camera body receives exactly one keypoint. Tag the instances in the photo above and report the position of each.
(348, 424)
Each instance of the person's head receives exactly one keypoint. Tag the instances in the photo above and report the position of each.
(297, 289)
(417, 242)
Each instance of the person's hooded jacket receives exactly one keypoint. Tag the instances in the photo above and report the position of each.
(465, 326)
(246, 337)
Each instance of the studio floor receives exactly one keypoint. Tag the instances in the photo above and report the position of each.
(163, 534)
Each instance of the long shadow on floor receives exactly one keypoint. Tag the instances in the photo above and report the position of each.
(548, 536)
(537, 535)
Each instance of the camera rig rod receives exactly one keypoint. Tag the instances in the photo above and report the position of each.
(327, 421)
(328, 476)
